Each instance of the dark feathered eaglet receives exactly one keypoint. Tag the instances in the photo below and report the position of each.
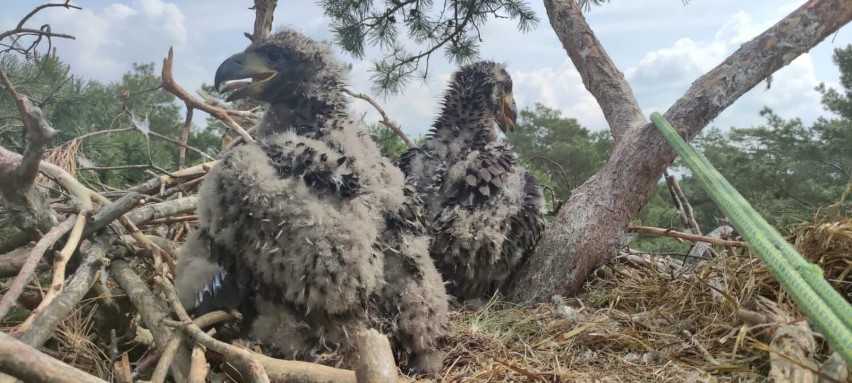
(310, 230)
(486, 212)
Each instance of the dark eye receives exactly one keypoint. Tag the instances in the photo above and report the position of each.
(274, 55)
(509, 87)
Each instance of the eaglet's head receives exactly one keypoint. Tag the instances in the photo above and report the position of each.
(493, 81)
(280, 69)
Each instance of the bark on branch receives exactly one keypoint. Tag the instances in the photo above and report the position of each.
(257, 365)
(152, 312)
(688, 236)
(31, 365)
(591, 227)
(43, 321)
(386, 121)
(263, 10)
(25, 204)
(170, 85)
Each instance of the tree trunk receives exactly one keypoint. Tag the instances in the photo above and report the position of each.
(590, 228)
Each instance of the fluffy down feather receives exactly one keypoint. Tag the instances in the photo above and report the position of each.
(486, 212)
(315, 233)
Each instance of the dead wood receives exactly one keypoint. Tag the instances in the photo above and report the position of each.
(684, 208)
(40, 325)
(170, 85)
(590, 228)
(159, 184)
(111, 212)
(151, 311)
(12, 262)
(162, 210)
(681, 235)
(376, 363)
(29, 266)
(700, 249)
(254, 365)
(27, 207)
(33, 366)
(263, 10)
(386, 121)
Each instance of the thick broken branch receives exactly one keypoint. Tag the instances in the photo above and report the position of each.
(38, 132)
(278, 370)
(31, 365)
(12, 262)
(27, 206)
(375, 362)
(170, 85)
(386, 121)
(591, 227)
(28, 268)
(163, 209)
(263, 10)
(40, 325)
(111, 212)
(152, 312)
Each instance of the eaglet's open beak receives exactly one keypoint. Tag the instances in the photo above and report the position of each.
(246, 74)
(509, 114)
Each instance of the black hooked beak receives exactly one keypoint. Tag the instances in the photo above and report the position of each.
(246, 74)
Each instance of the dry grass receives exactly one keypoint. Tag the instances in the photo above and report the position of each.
(641, 324)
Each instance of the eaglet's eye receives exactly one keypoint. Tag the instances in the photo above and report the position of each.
(274, 55)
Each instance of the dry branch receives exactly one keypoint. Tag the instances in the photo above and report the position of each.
(162, 210)
(263, 10)
(699, 249)
(157, 184)
(684, 208)
(31, 365)
(38, 132)
(677, 234)
(29, 267)
(111, 212)
(375, 362)
(386, 121)
(26, 205)
(170, 85)
(152, 312)
(40, 325)
(258, 365)
(590, 228)
(12, 262)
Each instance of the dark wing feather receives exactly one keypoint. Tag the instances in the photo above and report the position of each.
(486, 175)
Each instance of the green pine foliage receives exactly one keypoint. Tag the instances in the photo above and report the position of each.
(452, 26)
(104, 115)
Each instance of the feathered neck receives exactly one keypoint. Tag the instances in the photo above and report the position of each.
(306, 109)
(466, 113)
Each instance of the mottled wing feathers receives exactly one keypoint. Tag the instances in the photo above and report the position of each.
(485, 176)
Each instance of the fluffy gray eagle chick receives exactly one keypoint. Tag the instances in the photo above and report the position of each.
(486, 212)
(310, 230)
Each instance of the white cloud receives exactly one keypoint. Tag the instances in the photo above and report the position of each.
(664, 74)
(558, 87)
(109, 39)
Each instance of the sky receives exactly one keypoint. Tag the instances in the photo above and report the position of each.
(662, 46)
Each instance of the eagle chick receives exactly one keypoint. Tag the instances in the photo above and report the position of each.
(486, 212)
(310, 231)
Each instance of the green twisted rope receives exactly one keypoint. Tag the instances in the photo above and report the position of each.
(803, 281)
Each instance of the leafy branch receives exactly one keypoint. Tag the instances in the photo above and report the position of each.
(454, 26)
